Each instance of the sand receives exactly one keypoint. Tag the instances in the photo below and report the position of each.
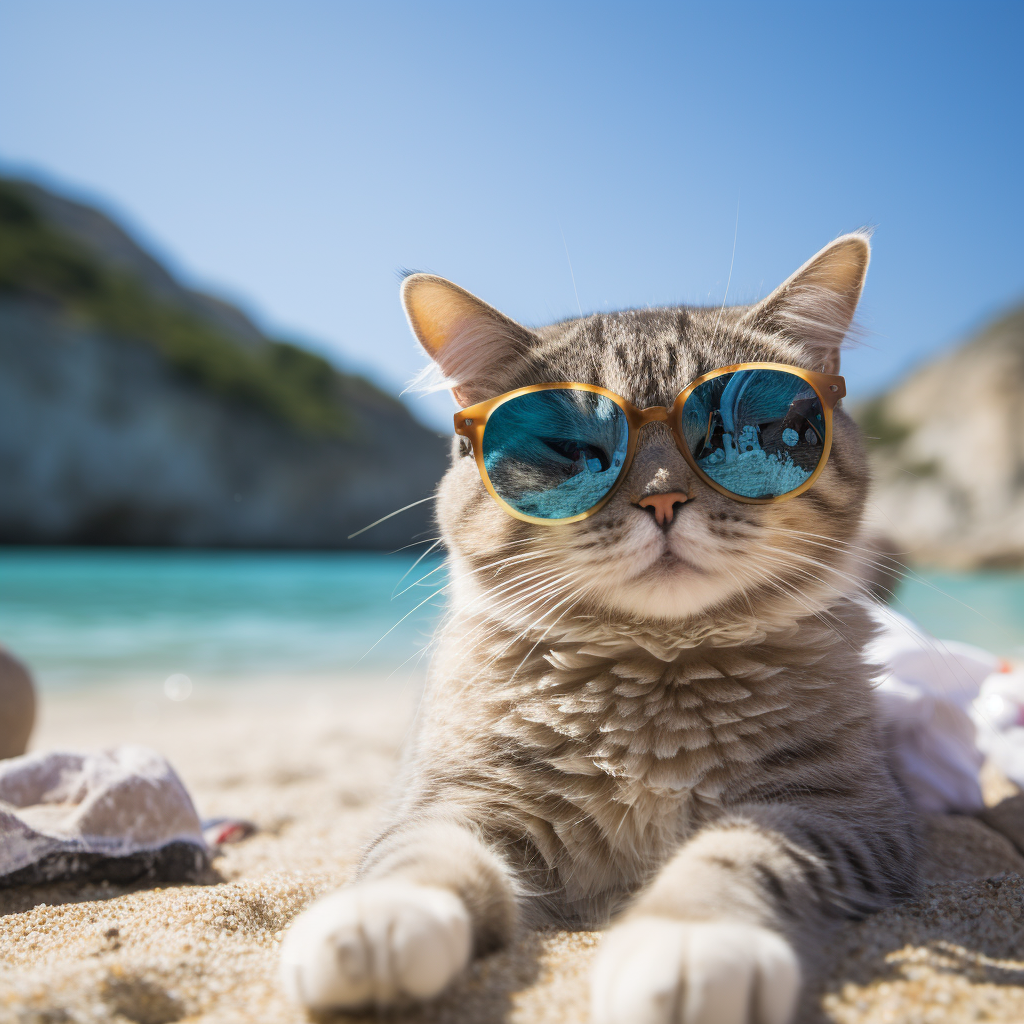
(310, 764)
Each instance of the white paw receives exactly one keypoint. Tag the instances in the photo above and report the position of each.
(654, 970)
(375, 943)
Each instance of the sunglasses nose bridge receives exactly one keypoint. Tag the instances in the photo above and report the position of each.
(652, 414)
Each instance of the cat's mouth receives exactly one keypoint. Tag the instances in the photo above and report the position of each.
(668, 563)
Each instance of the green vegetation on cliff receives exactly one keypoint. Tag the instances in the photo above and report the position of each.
(41, 263)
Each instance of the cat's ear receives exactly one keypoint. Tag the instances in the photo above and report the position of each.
(471, 343)
(815, 306)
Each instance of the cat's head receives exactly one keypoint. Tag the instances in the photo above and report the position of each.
(717, 555)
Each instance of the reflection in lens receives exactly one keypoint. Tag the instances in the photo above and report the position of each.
(757, 433)
(554, 454)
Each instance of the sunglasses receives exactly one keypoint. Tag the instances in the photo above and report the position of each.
(556, 453)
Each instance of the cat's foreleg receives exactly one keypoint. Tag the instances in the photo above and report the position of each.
(428, 897)
(716, 938)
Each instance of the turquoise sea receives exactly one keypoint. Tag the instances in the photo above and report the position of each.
(81, 617)
(86, 616)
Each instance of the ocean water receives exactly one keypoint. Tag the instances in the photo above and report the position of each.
(181, 619)
(85, 616)
(983, 608)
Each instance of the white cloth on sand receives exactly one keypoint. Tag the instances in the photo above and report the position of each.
(945, 707)
(71, 810)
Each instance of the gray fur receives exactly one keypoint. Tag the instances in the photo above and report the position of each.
(625, 720)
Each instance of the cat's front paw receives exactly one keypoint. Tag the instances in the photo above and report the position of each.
(655, 970)
(375, 944)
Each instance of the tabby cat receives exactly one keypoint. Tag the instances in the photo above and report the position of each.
(657, 716)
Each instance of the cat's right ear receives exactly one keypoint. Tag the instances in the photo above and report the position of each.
(471, 343)
(815, 306)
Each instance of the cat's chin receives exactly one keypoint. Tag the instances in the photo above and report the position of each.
(666, 600)
(668, 586)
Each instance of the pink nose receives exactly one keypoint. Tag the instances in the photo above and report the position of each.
(664, 505)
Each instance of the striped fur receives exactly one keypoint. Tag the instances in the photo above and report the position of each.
(672, 725)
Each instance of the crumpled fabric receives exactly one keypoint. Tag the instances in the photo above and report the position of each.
(998, 716)
(945, 707)
(64, 814)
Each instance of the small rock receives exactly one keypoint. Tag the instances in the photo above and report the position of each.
(17, 705)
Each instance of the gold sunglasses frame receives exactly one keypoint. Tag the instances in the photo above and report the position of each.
(472, 422)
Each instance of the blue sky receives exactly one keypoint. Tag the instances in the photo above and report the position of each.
(295, 156)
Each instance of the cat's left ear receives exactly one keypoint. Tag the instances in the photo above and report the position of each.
(815, 306)
(470, 342)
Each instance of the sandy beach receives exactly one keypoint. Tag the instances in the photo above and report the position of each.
(311, 764)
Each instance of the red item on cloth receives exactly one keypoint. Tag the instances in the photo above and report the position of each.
(219, 831)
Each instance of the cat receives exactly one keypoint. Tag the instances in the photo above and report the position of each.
(658, 717)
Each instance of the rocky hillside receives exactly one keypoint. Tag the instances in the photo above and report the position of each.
(948, 452)
(136, 411)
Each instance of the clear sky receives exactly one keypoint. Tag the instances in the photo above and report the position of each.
(294, 156)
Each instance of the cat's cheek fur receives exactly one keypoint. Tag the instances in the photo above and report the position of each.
(471, 520)
(376, 944)
(655, 970)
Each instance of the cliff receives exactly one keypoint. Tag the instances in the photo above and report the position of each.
(947, 448)
(134, 410)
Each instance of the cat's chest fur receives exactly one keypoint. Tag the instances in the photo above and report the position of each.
(610, 755)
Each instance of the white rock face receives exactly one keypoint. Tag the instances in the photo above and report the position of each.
(101, 441)
(67, 811)
(949, 468)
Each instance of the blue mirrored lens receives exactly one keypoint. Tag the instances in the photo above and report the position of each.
(757, 433)
(554, 454)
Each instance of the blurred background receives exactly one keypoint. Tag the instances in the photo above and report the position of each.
(205, 210)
